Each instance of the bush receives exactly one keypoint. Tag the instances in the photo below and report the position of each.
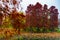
(28, 29)
(35, 29)
(57, 30)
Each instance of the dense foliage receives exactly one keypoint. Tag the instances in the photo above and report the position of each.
(41, 17)
(38, 19)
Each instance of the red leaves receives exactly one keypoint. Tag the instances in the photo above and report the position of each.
(1, 18)
(34, 18)
(17, 19)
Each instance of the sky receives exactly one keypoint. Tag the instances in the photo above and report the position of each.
(50, 3)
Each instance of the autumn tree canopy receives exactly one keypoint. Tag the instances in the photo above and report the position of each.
(8, 6)
(41, 16)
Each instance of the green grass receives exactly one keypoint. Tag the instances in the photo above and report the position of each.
(33, 38)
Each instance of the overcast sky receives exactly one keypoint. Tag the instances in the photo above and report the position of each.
(25, 3)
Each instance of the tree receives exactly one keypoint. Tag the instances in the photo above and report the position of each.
(33, 15)
(7, 7)
(38, 16)
(17, 20)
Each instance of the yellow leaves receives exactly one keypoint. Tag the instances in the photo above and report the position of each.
(7, 32)
(23, 21)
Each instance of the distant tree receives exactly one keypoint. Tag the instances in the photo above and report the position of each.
(33, 15)
(38, 16)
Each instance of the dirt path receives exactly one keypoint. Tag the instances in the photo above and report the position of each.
(53, 34)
